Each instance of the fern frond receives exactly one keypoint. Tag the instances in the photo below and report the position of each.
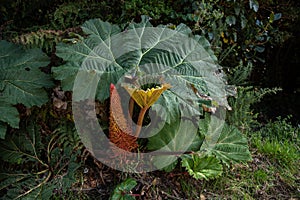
(47, 39)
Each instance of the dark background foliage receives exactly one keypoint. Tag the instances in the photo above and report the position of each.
(238, 32)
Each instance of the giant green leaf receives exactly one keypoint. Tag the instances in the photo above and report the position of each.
(9, 114)
(111, 52)
(226, 142)
(3, 129)
(232, 146)
(202, 167)
(21, 80)
(173, 140)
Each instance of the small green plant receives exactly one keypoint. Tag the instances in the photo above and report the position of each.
(242, 114)
(261, 176)
(123, 190)
(281, 130)
(157, 10)
(202, 167)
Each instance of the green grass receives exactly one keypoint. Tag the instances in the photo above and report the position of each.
(280, 142)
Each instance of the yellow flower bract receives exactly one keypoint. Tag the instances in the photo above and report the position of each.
(146, 98)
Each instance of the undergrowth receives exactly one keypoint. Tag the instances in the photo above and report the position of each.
(39, 162)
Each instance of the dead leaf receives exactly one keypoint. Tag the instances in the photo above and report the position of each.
(59, 104)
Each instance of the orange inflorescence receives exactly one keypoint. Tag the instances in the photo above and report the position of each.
(120, 131)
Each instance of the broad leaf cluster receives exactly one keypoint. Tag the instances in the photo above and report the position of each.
(110, 52)
(21, 82)
(215, 144)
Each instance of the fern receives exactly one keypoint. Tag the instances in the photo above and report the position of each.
(67, 135)
(47, 39)
(242, 114)
(240, 74)
(51, 167)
